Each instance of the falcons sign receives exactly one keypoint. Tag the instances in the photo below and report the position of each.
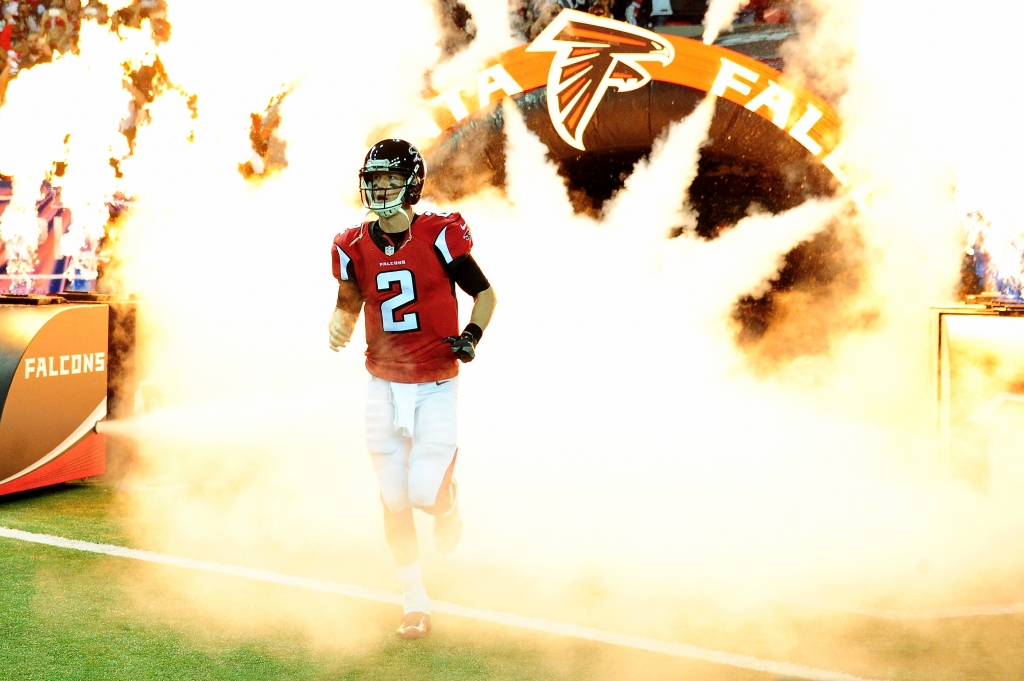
(593, 54)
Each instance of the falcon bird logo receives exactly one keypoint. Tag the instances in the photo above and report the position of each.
(593, 54)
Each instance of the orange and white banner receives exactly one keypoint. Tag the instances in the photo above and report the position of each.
(580, 58)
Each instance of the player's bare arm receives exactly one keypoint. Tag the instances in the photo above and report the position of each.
(341, 326)
(483, 308)
(345, 315)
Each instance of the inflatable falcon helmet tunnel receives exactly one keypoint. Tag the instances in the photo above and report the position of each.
(596, 90)
(56, 359)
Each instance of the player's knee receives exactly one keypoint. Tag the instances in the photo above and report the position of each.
(422, 499)
(424, 485)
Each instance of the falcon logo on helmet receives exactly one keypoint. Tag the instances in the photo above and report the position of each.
(387, 157)
(593, 54)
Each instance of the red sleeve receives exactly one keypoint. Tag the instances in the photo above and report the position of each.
(454, 241)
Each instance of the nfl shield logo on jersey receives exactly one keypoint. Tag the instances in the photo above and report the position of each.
(389, 250)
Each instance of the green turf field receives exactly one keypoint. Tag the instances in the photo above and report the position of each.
(66, 614)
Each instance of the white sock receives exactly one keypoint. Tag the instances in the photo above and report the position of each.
(414, 595)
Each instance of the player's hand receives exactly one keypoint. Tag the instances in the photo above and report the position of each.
(463, 346)
(341, 327)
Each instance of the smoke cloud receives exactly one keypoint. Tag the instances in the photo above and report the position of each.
(615, 447)
(720, 15)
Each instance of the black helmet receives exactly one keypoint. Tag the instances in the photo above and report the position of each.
(392, 156)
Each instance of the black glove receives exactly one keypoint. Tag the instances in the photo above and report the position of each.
(463, 346)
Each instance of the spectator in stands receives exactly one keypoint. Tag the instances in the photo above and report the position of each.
(57, 25)
(5, 76)
(27, 15)
(37, 50)
(12, 31)
(529, 17)
(637, 12)
(97, 11)
(601, 8)
(540, 15)
(7, 27)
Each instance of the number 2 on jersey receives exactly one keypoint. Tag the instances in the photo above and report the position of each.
(390, 308)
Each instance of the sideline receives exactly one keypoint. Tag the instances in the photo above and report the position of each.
(507, 619)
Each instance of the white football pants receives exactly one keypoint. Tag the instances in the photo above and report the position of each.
(410, 434)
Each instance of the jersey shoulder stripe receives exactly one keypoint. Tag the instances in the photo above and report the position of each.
(450, 235)
(343, 263)
(441, 244)
(345, 250)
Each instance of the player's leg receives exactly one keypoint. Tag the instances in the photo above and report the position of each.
(446, 493)
(400, 532)
(389, 452)
(447, 520)
(432, 461)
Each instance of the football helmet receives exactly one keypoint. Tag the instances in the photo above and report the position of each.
(391, 156)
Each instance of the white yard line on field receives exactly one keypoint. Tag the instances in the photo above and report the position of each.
(507, 619)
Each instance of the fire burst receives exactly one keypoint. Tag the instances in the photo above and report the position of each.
(81, 140)
(997, 251)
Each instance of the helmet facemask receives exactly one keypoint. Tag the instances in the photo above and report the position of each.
(377, 198)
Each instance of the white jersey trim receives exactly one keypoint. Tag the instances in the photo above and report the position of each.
(345, 260)
(442, 245)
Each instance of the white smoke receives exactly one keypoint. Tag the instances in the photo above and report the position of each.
(720, 15)
(609, 423)
(644, 204)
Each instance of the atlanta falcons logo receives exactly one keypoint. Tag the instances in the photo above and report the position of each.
(593, 54)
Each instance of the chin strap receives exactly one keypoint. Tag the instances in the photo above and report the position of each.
(388, 212)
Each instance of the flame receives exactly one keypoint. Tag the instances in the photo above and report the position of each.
(85, 138)
(997, 251)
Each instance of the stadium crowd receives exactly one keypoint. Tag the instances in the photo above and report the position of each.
(33, 31)
(530, 17)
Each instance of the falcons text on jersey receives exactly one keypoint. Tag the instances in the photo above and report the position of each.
(409, 297)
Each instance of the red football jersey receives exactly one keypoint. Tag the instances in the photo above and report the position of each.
(409, 297)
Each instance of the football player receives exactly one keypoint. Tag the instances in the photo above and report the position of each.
(402, 270)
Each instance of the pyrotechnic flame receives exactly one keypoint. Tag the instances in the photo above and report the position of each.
(996, 248)
(84, 137)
